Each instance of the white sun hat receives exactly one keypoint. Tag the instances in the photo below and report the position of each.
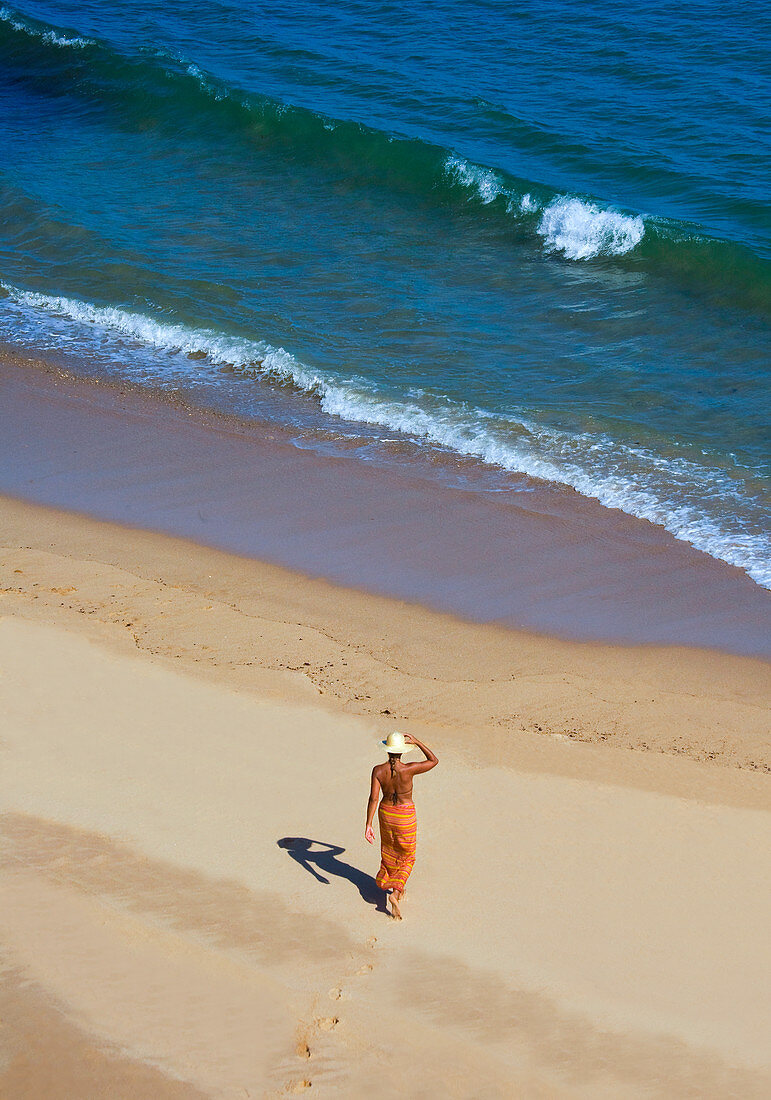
(395, 742)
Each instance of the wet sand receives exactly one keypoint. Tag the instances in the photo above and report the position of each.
(539, 558)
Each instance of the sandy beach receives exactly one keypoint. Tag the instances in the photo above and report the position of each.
(189, 907)
(368, 370)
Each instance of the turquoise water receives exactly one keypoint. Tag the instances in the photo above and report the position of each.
(508, 241)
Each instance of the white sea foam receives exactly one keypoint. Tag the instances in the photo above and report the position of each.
(219, 348)
(631, 479)
(205, 83)
(50, 36)
(582, 230)
(697, 504)
(483, 182)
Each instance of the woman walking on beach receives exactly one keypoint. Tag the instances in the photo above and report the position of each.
(396, 814)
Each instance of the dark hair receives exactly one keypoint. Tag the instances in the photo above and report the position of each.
(392, 759)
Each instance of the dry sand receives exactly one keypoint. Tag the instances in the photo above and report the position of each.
(589, 912)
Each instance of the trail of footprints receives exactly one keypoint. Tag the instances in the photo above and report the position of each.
(322, 1024)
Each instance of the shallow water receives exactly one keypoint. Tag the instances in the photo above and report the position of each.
(537, 238)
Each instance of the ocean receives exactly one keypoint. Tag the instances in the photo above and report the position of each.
(500, 243)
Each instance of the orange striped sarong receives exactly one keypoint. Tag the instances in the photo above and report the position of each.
(398, 839)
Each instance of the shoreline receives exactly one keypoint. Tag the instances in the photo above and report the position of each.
(181, 723)
(549, 560)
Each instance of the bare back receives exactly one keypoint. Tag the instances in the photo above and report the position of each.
(395, 779)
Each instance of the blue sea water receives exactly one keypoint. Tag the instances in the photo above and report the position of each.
(507, 239)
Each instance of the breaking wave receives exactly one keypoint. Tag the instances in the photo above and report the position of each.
(579, 229)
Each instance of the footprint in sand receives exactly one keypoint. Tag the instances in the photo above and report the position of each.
(326, 1023)
(303, 1050)
(335, 994)
(299, 1086)
(364, 969)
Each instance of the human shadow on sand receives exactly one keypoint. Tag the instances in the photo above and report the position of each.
(313, 854)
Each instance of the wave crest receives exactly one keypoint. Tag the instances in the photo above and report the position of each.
(484, 182)
(582, 230)
(579, 229)
(46, 34)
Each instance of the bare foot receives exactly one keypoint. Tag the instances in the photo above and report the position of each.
(396, 912)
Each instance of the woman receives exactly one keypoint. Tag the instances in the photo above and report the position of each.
(396, 815)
